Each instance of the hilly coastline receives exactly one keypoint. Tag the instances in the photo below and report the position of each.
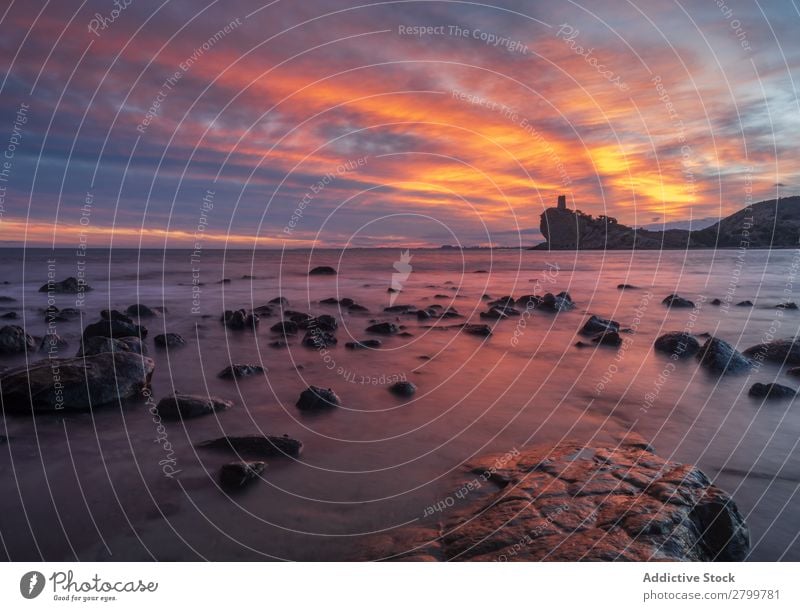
(769, 224)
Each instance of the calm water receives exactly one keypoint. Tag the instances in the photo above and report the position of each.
(90, 487)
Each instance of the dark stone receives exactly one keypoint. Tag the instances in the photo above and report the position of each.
(264, 310)
(481, 330)
(315, 399)
(52, 343)
(115, 315)
(623, 287)
(403, 389)
(70, 285)
(9, 316)
(324, 322)
(279, 300)
(403, 309)
(677, 343)
(114, 329)
(6, 299)
(391, 290)
(363, 344)
(529, 302)
(609, 338)
(322, 270)
(777, 351)
(771, 391)
(787, 305)
(180, 406)
(286, 327)
(716, 301)
(260, 445)
(450, 313)
(719, 357)
(595, 325)
(557, 303)
(14, 340)
(236, 475)
(745, 304)
(357, 308)
(503, 302)
(169, 340)
(675, 301)
(99, 345)
(239, 371)
(317, 338)
(570, 502)
(140, 310)
(383, 328)
(330, 301)
(224, 281)
(440, 296)
(87, 382)
(239, 319)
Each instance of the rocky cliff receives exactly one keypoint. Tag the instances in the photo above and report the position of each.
(767, 224)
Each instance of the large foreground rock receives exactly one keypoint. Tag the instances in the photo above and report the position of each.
(14, 340)
(719, 357)
(85, 382)
(570, 503)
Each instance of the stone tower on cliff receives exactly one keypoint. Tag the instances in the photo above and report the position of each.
(562, 202)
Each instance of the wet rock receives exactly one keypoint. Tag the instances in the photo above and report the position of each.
(141, 311)
(346, 302)
(53, 343)
(426, 314)
(6, 299)
(402, 309)
(279, 301)
(363, 344)
(9, 316)
(556, 303)
(677, 343)
(450, 313)
(181, 405)
(325, 322)
(224, 281)
(115, 329)
(264, 310)
(391, 290)
(239, 371)
(623, 287)
(745, 304)
(529, 302)
(719, 357)
(317, 338)
(99, 345)
(609, 338)
(14, 340)
(357, 308)
(236, 475)
(403, 389)
(494, 314)
(322, 270)
(258, 445)
(676, 301)
(787, 305)
(771, 391)
(571, 502)
(169, 340)
(480, 330)
(70, 285)
(716, 301)
(503, 302)
(87, 382)
(595, 325)
(239, 319)
(777, 351)
(315, 398)
(115, 315)
(441, 296)
(383, 328)
(330, 301)
(580, 344)
(286, 327)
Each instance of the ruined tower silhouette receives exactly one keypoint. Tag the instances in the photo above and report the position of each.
(562, 202)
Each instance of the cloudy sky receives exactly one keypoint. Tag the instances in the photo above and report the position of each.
(386, 124)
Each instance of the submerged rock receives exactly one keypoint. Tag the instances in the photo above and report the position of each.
(556, 303)
(239, 371)
(316, 338)
(180, 406)
(169, 340)
(239, 474)
(285, 327)
(718, 356)
(745, 304)
(239, 319)
(777, 351)
(481, 330)
(52, 343)
(403, 389)
(623, 287)
(315, 398)
(576, 503)
(141, 311)
(676, 301)
(677, 343)
(787, 305)
(771, 391)
(383, 328)
(86, 382)
(98, 345)
(363, 344)
(114, 329)
(115, 315)
(595, 325)
(260, 445)
(609, 338)
(716, 301)
(322, 270)
(14, 340)
(69, 285)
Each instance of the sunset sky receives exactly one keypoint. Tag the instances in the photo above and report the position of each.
(236, 114)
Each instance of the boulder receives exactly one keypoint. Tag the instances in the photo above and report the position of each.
(719, 357)
(357, 308)
(258, 445)
(623, 287)
(330, 301)
(239, 474)
(282, 301)
(383, 328)
(179, 406)
(86, 382)
(676, 301)
(98, 345)
(69, 285)
(52, 343)
(403, 389)
(777, 351)
(322, 270)
(595, 325)
(481, 330)
(114, 329)
(239, 371)
(609, 338)
(677, 343)
(745, 304)
(771, 391)
(716, 301)
(115, 315)
(325, 322)
(315, 398)
(363, 344)
(9, 316)
(141, 311)
(169, 340)
(285, 327)
(571, 502)
(239, 319)
(14, 340)
(556, 303)
(787, 305)
(316, 338)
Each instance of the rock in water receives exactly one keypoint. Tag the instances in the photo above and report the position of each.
(316, 338)
(403, 389)
(180, 406)
(623, 287)
(239, 371)
(140, 310)
(383, 328)
(595, 325)
(259, 445)
(777, 351)
(771, 391)
(677, 343)
(609, 338)
(169, 340)
(98, 345)
(480, 330)
(720, 357)
(315, 398)
(236, 475)
(70, 285)
(14, 340)
(676, 301)
(87, 382)
(322, 270)
(363, 344)
(115, 329)
(576, 503)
